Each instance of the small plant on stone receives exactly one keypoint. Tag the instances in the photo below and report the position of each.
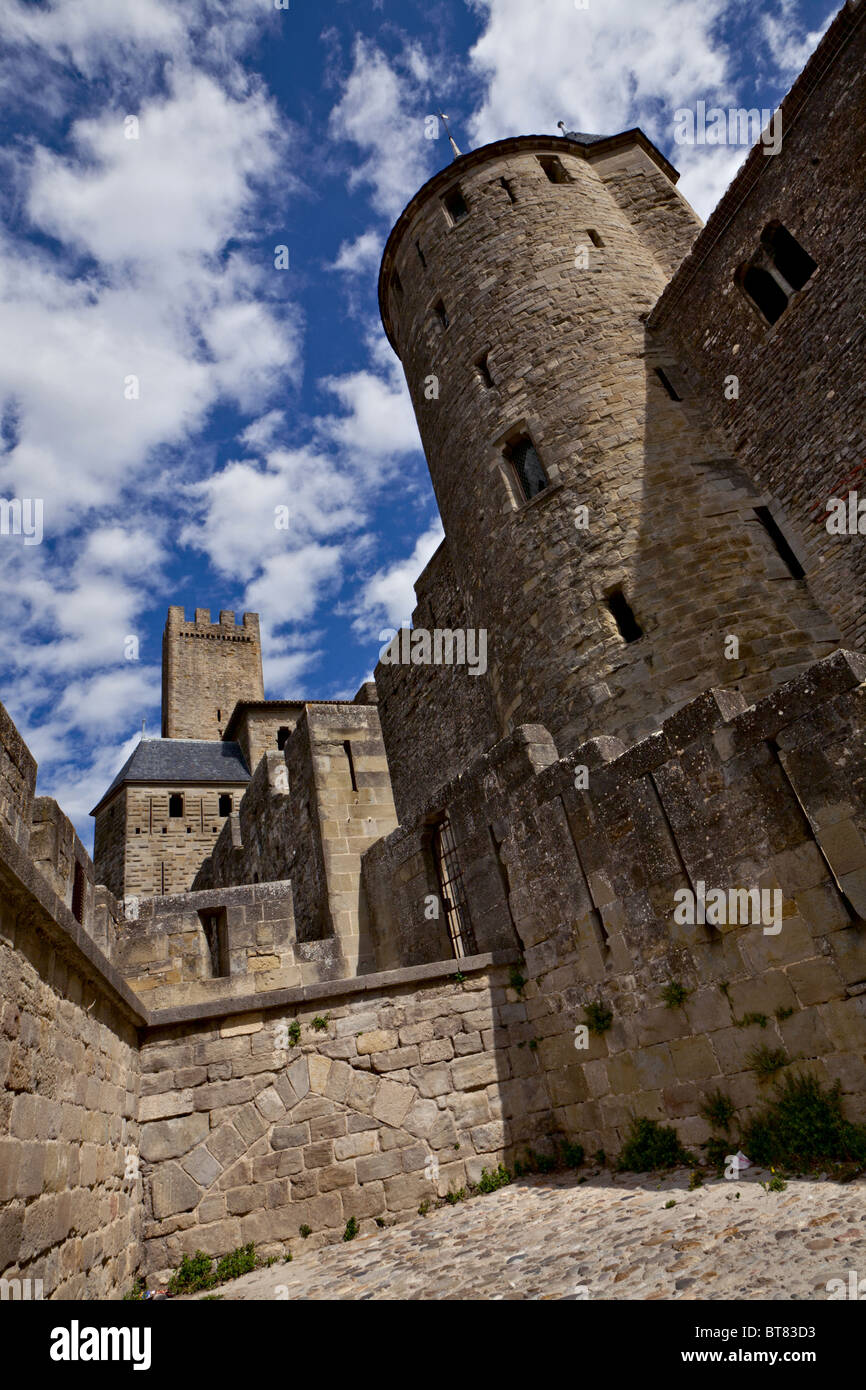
(237, 1262)
(718, 1110)
(804, 1126)
(351, 1229)
(776, 1184)
(424, 1207)
(460, 977)
(452, 1198)
(195, 1272)
(596, 1017)
(600, 1157)
(287, 1258)
(380, 1221)
(305, 1230)
(766, 1061)
(320, 1024)
(649, 1146)
(533, 1044)
(670, 1204)
(136, 1293)
(294, 1031)
(675, 995)
(696, 1179)
(572, 1154)
(490, 1182)
(515, 979)
(717, 1151)
(759, 1020)
(784, 1011)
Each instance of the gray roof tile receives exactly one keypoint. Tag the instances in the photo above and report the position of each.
(181, 760)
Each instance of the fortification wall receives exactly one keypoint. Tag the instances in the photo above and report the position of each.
(770, 796)
(797, 422)
(435, 719)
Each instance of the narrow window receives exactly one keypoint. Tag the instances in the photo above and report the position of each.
(441, 313)
(666, 383)
(225, 804)
(783, 549)
(509, 189)
(766, 292)
(138, 830)
(793, 263)
(215, 928)
(282, 737)
(175, 806)
(522, 455)
(629, 627)
(78, 892)
(554, 168)
(219, 716)
(594, 236)
(162, 877)
(397, 282)
(483, 369)
(455, 206)
(451, 890)
(421, 256)
(347, 749)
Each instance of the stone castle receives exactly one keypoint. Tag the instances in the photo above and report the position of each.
(332, 959)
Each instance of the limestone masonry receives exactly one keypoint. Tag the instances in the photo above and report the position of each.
(334, 958)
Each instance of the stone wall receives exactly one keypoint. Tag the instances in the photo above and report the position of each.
(69, 1068)
(797, 423)
(435, 719)
(770, 796)
(411, 1084)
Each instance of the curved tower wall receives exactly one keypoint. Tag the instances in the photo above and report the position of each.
(547, 286)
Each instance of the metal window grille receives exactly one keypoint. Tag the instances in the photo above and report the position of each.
(532, 476)
(452, 892)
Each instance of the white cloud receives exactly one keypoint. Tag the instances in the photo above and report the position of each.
(789, 44)
(378, 421)
(388, 597)
(381, 111)
(361, 256)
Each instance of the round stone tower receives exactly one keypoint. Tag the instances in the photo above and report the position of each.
(598, 532)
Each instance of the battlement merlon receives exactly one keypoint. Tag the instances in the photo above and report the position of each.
(177, 621)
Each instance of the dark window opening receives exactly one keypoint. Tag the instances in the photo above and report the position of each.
(777, 536)
(219, 716)
(175, 806)
(455, 206)
(766, 292)
(629, 627)
(162, 877)
(347, 749)
(668, 385)
(225, 804)
(138, 830)
(78, 892)
(793, 263)
(483, 369)
(594, 236)
(509, 189)
(282, 737)
(527, 465)
(397, 282)
(554, 168)
(421, 255)
(441, 313)
(215, 928)
(451, 890)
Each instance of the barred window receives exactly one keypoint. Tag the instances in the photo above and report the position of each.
(451, 890)
(524, 459)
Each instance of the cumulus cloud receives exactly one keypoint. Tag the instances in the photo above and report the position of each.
(387, 599)
(361, 256)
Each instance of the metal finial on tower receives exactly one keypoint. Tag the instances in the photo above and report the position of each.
(444, 119)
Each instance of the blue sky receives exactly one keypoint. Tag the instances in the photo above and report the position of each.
(261, 387)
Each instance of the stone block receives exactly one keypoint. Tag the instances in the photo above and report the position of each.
(172, 1138)
(378, 1040)
(173, 1191)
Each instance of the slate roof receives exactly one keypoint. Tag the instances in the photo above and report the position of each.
(582, 138)
(181, 760)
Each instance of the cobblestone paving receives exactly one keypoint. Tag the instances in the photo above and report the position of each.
(609, 1237)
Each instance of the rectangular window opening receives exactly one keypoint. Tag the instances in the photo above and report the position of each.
(668, 384)
(282, 737)
(509, 189)
(482, 367)
(175, 806)
(225, 804)
(455, 206)
(629, 628)
(523, 457)
(451, 890)
(594, 236)
(78, 882)
(441, 313)
(215, 928)
(347, 749)
(554, 168)
(777, 536)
